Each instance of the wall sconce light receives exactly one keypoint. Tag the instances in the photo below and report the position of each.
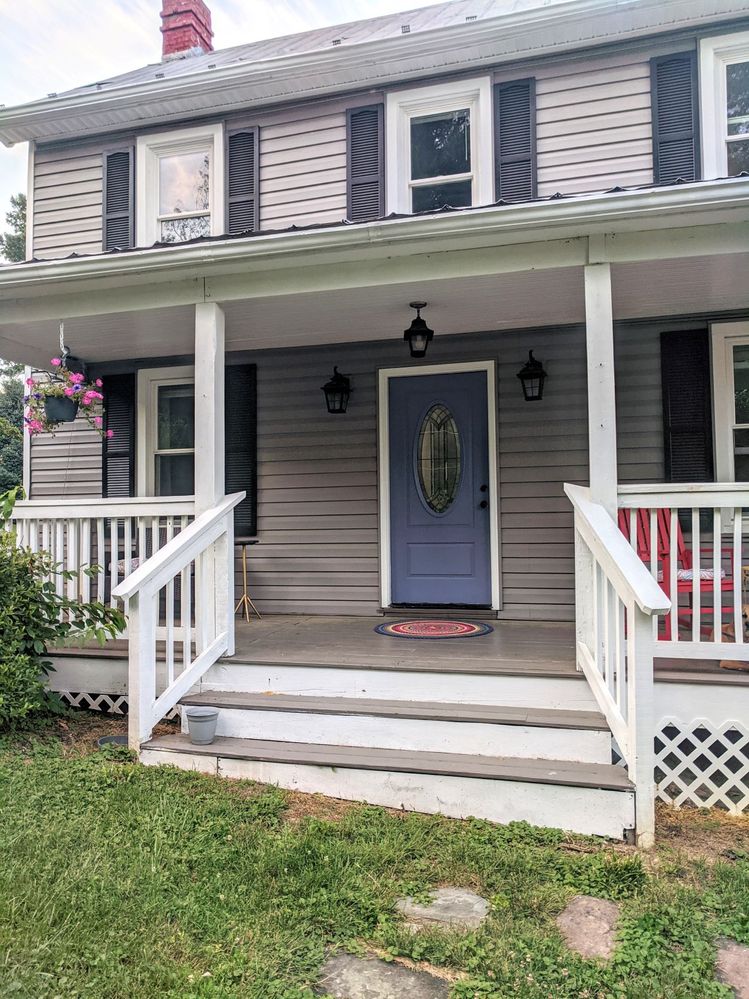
(532, 377)
(337, 392)
(418, 333)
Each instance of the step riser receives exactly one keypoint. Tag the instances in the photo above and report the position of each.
(583, 810)
(426, 735)
(572, 693)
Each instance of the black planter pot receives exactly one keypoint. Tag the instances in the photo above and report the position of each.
(60, 409)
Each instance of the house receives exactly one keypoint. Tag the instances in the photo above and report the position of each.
(554, 190)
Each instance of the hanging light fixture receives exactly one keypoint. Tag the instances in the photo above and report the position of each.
(337, 392)
(532, 377)
(418, 333)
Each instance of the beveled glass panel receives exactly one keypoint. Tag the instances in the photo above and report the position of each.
(184, 183)
(438, 458)
(441, 144)
(737, 98)
(432, 197)
(176, 417)
(741, 382)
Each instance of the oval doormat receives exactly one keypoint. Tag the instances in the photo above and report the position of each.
(434, 629)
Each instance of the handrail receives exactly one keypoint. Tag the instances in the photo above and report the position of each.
(91, 507)
(683, 494)
(626, 571)
(179, 552)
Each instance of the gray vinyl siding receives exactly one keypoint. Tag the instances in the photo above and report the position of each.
(66, 465)
(67, 201)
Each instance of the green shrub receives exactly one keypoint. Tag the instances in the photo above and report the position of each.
(33, 617)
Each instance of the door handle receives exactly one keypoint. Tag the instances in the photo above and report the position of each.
(483, 504)
(482, 489)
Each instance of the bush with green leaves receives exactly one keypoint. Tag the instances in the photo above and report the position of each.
(34, 617)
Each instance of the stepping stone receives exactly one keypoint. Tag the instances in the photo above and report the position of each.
(451, 908)
(733, 967)
(346, 977)
(589, 926)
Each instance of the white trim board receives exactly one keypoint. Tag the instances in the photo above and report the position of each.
(383, 465)
(715, 55)
(149, 379)
(723, 337)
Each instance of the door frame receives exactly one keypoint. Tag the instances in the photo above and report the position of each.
(383, 465)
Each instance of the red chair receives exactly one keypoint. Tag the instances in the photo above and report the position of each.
(685, 576)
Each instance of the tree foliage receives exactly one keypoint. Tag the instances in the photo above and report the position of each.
(13, 243)
(11, 425)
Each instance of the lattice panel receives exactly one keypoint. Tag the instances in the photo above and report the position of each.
(111, 704)
(703, 765)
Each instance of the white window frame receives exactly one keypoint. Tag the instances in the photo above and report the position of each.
(150, 380)
(716, 54)
(723, 338)
(150, 148)
(403, 105)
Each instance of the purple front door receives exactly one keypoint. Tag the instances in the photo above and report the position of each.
(440, 502)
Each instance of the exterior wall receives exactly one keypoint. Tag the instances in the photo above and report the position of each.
(67, 464)
(67, 200)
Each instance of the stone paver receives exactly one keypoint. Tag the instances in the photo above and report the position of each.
(589, 926)
(452, 908)
(346, 977)
(733, 967)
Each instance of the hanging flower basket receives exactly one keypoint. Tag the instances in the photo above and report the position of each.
(62, 397)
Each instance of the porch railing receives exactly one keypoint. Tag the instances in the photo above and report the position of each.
(616, 601)
(694, 540)
(116, 535)
(196, 633)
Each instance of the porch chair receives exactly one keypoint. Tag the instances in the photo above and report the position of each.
(685, 581)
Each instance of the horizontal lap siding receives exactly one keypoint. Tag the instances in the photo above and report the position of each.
(67, 201)
(594, 126)
(66, 465)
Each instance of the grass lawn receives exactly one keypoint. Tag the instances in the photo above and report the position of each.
(125, 882)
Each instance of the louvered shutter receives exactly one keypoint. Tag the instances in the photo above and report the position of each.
(118, 452)
(241, 444)
(242, 176)
(673, 81)
(118, 199)
(365, 163)
(515, 140)
(687, 421)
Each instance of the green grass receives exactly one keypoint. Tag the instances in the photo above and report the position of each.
(124, 882)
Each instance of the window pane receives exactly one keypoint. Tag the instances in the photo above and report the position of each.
(175, 474)
(438, 458)
(738, 157)
(741, 455)
(176, 415)
(435, 196)
(737, 98)
(184, 183)
(441, 145)
(178, 230)
(741, 382)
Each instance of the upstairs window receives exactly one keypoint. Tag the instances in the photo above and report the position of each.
(440, 143)
(180, 185)
(730, 367)
(724, 74)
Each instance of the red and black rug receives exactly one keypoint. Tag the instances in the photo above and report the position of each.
(434, 629)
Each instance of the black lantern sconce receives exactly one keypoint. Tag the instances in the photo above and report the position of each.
(337, 392)
(532, 377)
(418, 333)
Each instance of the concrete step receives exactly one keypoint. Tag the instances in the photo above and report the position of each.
(580, 797)
(418, 726)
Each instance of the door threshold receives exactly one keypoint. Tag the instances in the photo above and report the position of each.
(440, 612)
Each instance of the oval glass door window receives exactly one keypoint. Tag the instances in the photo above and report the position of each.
(438, 458)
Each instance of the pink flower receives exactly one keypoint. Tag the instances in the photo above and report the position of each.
(110, 433)
(68, 391)
(98, 421)
(76, 377)
(87, 399)
(99, 382)
(29, 381)
(56, 362)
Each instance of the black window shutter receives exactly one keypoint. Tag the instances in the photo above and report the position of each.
(673, 87)
(687, 406)
(242, 179)
(365, 163)
(118, 199)
(515, 140)
(241, 444)
(118, 452)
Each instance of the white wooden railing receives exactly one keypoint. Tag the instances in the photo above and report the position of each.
(694, 540)
(198, 561)
(115, 535)
(616, 600)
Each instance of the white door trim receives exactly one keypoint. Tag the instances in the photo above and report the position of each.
(383, 465)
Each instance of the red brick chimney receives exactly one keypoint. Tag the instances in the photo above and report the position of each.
(186, 28)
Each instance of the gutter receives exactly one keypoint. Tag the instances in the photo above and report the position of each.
(494, 226)
(456, 48)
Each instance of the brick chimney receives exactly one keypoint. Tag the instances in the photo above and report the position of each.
(186, 29)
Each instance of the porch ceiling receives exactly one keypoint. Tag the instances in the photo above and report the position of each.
(553, 296)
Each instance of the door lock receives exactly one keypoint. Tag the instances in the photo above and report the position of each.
(484, 504)
(482, 489)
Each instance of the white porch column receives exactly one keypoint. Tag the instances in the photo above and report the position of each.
(599, 339)
(209, 406)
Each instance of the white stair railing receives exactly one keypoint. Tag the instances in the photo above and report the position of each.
(197, 628)
(616, 600)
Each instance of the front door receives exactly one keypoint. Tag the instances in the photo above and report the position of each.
(439, 490)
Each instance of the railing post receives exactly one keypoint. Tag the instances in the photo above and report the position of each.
(225, 594)
(583, 596)
(640, 721)
(599, 341)
(141, 668)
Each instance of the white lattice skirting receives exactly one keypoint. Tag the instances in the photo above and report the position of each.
(703, 765)
(111, 704)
